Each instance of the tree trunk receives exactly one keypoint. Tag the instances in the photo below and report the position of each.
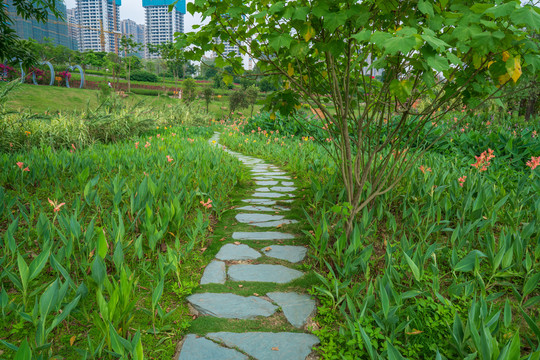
(129, 75)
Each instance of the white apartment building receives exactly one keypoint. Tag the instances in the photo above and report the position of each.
(161, 25)
(95, 16)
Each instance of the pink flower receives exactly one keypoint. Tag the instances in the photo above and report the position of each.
(74, 148)
(207, 204)
(158, 135)
(55, 205)
(462, 180)
(169, 159)
(534, 162)
(147, 144)
(137, 145)
(26, 169)
(20, 164)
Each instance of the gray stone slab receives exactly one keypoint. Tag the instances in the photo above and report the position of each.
(266, 182)
(231, 306)
(279, 177)
(263, 273)
(262, 189)
(257, 218)
(214, 273)
(285, 252)
(201, 348)
(270, 195)
(287, 183)
(282, 188)
(230, 252)
(263, 235)
(262, 208)
(260, 201)
(269, 346)
(296, 307)
(273, 223)
(270, 173)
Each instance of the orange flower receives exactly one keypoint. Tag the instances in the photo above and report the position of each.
(534, 162)
(423, 169)
(55, 205)
(462, 180)
(483, 161)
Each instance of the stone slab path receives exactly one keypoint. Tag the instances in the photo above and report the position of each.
(238, 262)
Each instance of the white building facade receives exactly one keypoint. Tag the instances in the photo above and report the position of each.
(161, 25)
(96, 16)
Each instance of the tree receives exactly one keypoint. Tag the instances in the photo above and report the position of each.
(237, 101)
(114, 63)
(207, 94)
(189, 90)
(454, 53)
(251, 96)
(128, 46)
(11, 45)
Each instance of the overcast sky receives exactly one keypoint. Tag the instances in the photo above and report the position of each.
(132, 9)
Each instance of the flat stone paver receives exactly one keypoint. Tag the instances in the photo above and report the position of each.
(260, 201)
(276, 177)
(262, 208)
(231, 306)
(263, 189)
(257, 218)
(270, 195)
(262, 235)
(267, 182)
(200, 348)
(273, 223)
(286, 252)
(282, 188)
(296, 307)
(269, 346)
(287, 183)
(214, 273)
(263, 273)
(230, 252)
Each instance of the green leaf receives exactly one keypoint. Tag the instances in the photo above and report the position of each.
(99, 270)
(401, 89)
(438, 63)
(502, 10)
(24, 352)
(437, 44)
(363, 35)
(399, 44)
(38, 264)
(507, 314)
(65, 313)
(48, 299)
(158, 291)
(23, 270)
(425, 7)
(467, 263)
(102, 246)
(278, 41)
(412, 265)
(300, 13)
(118, 256)
(333, 20)
(526, 16)
(531, 284)
(385, 301)
(393, 353)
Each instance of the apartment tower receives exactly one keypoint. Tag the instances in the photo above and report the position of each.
(161, 25)
(99, 22)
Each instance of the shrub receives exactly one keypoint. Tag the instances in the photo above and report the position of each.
(141, 75)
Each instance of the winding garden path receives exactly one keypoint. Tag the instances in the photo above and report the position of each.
(243, 260)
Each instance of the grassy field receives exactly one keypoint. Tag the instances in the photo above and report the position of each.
(38, 99)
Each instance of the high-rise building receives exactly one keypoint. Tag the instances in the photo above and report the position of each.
(99, 19)
(161, 25)
(54, 30)
(136, 31)
(73, 27)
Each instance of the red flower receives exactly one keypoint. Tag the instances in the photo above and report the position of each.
(534, 162)
(462, 180)
(423, 169)
(483, 161)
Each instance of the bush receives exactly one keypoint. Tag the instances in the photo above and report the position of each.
(141, 75)
(150, 92)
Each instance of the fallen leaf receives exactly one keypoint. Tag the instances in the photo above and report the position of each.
(194, 317)
(275, 348)
(237, 243)
(268, 249)
(255, 294)
(72, 340)
(222, 239)
(225, 227)
(414, 332)
(163, 247)
(240, 286)
(279, 226)
(203, 249)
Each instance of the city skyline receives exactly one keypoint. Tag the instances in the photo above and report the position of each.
(133, 10)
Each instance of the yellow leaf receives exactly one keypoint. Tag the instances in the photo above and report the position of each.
(309, 33)
(286, 85)
(305, 77)
(516, 73)
(324, 74)
(72, 340)
(290, 70)
(505, 56)
(275, 348)
(273, 116)
(503, 79)
(489, 63)
(297, 106)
